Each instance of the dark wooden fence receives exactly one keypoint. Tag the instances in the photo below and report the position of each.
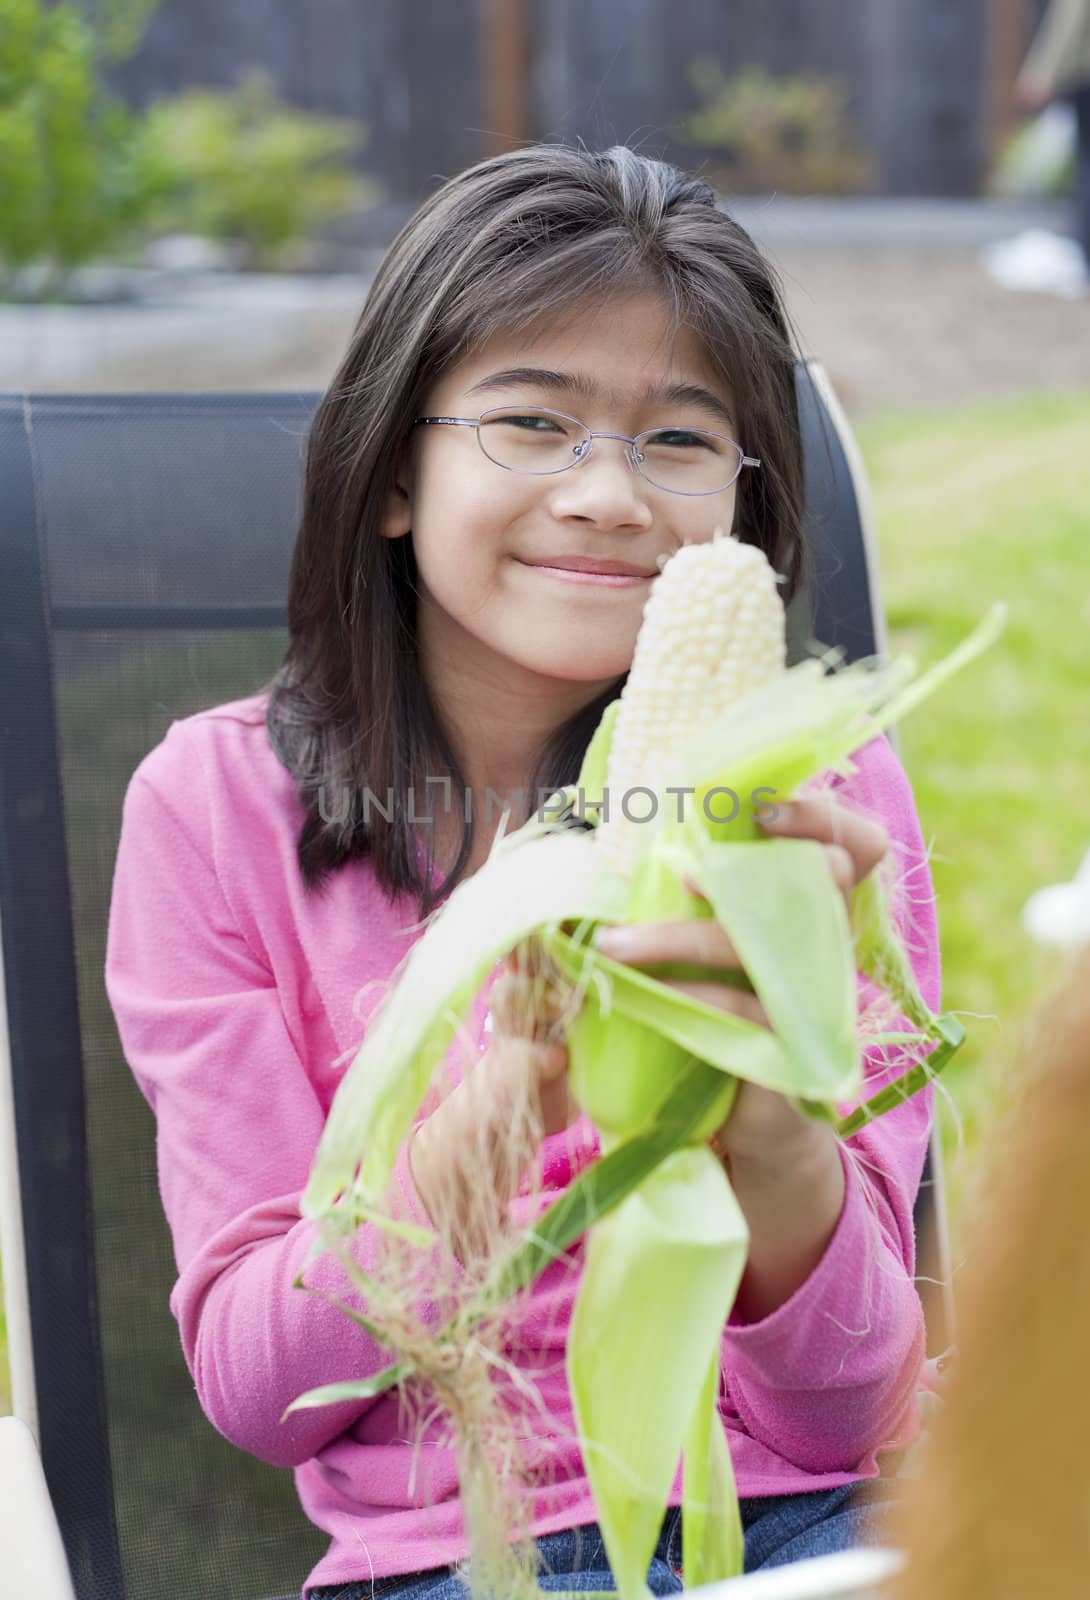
(606, 71)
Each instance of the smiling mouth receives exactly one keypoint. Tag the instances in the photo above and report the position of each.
(593, 577)
(598, 566)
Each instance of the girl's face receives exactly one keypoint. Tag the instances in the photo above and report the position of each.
(482, 534)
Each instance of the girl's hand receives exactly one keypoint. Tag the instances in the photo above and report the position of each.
(468, 1158)
(530, 1031)
(763, 1125)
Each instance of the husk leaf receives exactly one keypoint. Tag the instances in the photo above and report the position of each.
(661, 1273)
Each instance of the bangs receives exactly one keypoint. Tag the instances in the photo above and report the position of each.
(536, 284)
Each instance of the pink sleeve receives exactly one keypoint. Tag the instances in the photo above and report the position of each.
(830, 1376)
(237, 1123)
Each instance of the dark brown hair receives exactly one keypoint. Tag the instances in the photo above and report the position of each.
(536, 232)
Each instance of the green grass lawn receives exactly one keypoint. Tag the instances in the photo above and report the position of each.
(974, 506)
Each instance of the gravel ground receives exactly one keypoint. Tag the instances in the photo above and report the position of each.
(921, 327)
(911, 324)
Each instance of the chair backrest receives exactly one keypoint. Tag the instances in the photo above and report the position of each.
(145, 544)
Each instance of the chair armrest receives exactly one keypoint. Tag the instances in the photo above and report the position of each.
(32, 1558)
(849, 1575)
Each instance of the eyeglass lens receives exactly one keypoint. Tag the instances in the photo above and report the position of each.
(534, 439)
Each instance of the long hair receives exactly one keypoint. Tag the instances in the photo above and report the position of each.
(533, 232)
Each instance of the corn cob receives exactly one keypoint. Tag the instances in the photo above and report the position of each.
(713, 630)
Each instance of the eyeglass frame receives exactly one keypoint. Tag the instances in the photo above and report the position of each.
(584, 454)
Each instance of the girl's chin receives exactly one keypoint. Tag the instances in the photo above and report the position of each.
(595, 674)
(573, 650)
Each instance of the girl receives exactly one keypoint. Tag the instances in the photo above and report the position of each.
(459, 619)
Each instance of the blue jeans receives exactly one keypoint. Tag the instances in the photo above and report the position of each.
(778, 1529)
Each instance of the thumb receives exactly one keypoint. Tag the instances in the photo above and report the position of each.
(551, 1061)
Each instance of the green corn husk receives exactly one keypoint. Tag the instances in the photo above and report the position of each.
(661, 1273)
(593, 1194)
(633, 1044)
(712, 1538)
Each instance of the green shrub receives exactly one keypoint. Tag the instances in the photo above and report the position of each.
(72, 178)
(240, 165)
(785, 135)
(82, 177)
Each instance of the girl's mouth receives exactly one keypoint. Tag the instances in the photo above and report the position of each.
(604, 580)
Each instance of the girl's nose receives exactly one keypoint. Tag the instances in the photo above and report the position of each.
(604, 488)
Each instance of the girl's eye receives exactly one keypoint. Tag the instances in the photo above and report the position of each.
(679, 438)
(529, 424)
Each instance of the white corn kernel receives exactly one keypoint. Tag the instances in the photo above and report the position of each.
(714, 628)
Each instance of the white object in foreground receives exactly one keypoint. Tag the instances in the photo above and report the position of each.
(32, 1558)
(848, 1575)
(1059, 914)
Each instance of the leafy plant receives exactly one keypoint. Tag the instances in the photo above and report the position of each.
(776, 134)
(239, 164)
(73, 183)
(82, 176)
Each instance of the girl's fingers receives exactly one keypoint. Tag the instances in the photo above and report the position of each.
(725, 998)
(842, 867)
(853, 846)
(530, 1000)
(550, 1061)
(700, 940)
(855, 843)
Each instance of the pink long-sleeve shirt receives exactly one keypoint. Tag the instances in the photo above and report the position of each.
(240, 998)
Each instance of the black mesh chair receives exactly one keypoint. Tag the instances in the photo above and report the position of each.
(144, 552)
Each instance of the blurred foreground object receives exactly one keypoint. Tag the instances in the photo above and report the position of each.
(1002, 1506)
(1060, 914)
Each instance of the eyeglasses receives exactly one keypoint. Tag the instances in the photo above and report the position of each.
(536, 440)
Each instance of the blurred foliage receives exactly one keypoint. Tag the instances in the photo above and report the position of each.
(120, 24)
(73, 182)
(783, 135)
(82, 177)
(240, 165)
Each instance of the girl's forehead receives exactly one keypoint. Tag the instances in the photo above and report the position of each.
(637, 325)
(615, 353)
